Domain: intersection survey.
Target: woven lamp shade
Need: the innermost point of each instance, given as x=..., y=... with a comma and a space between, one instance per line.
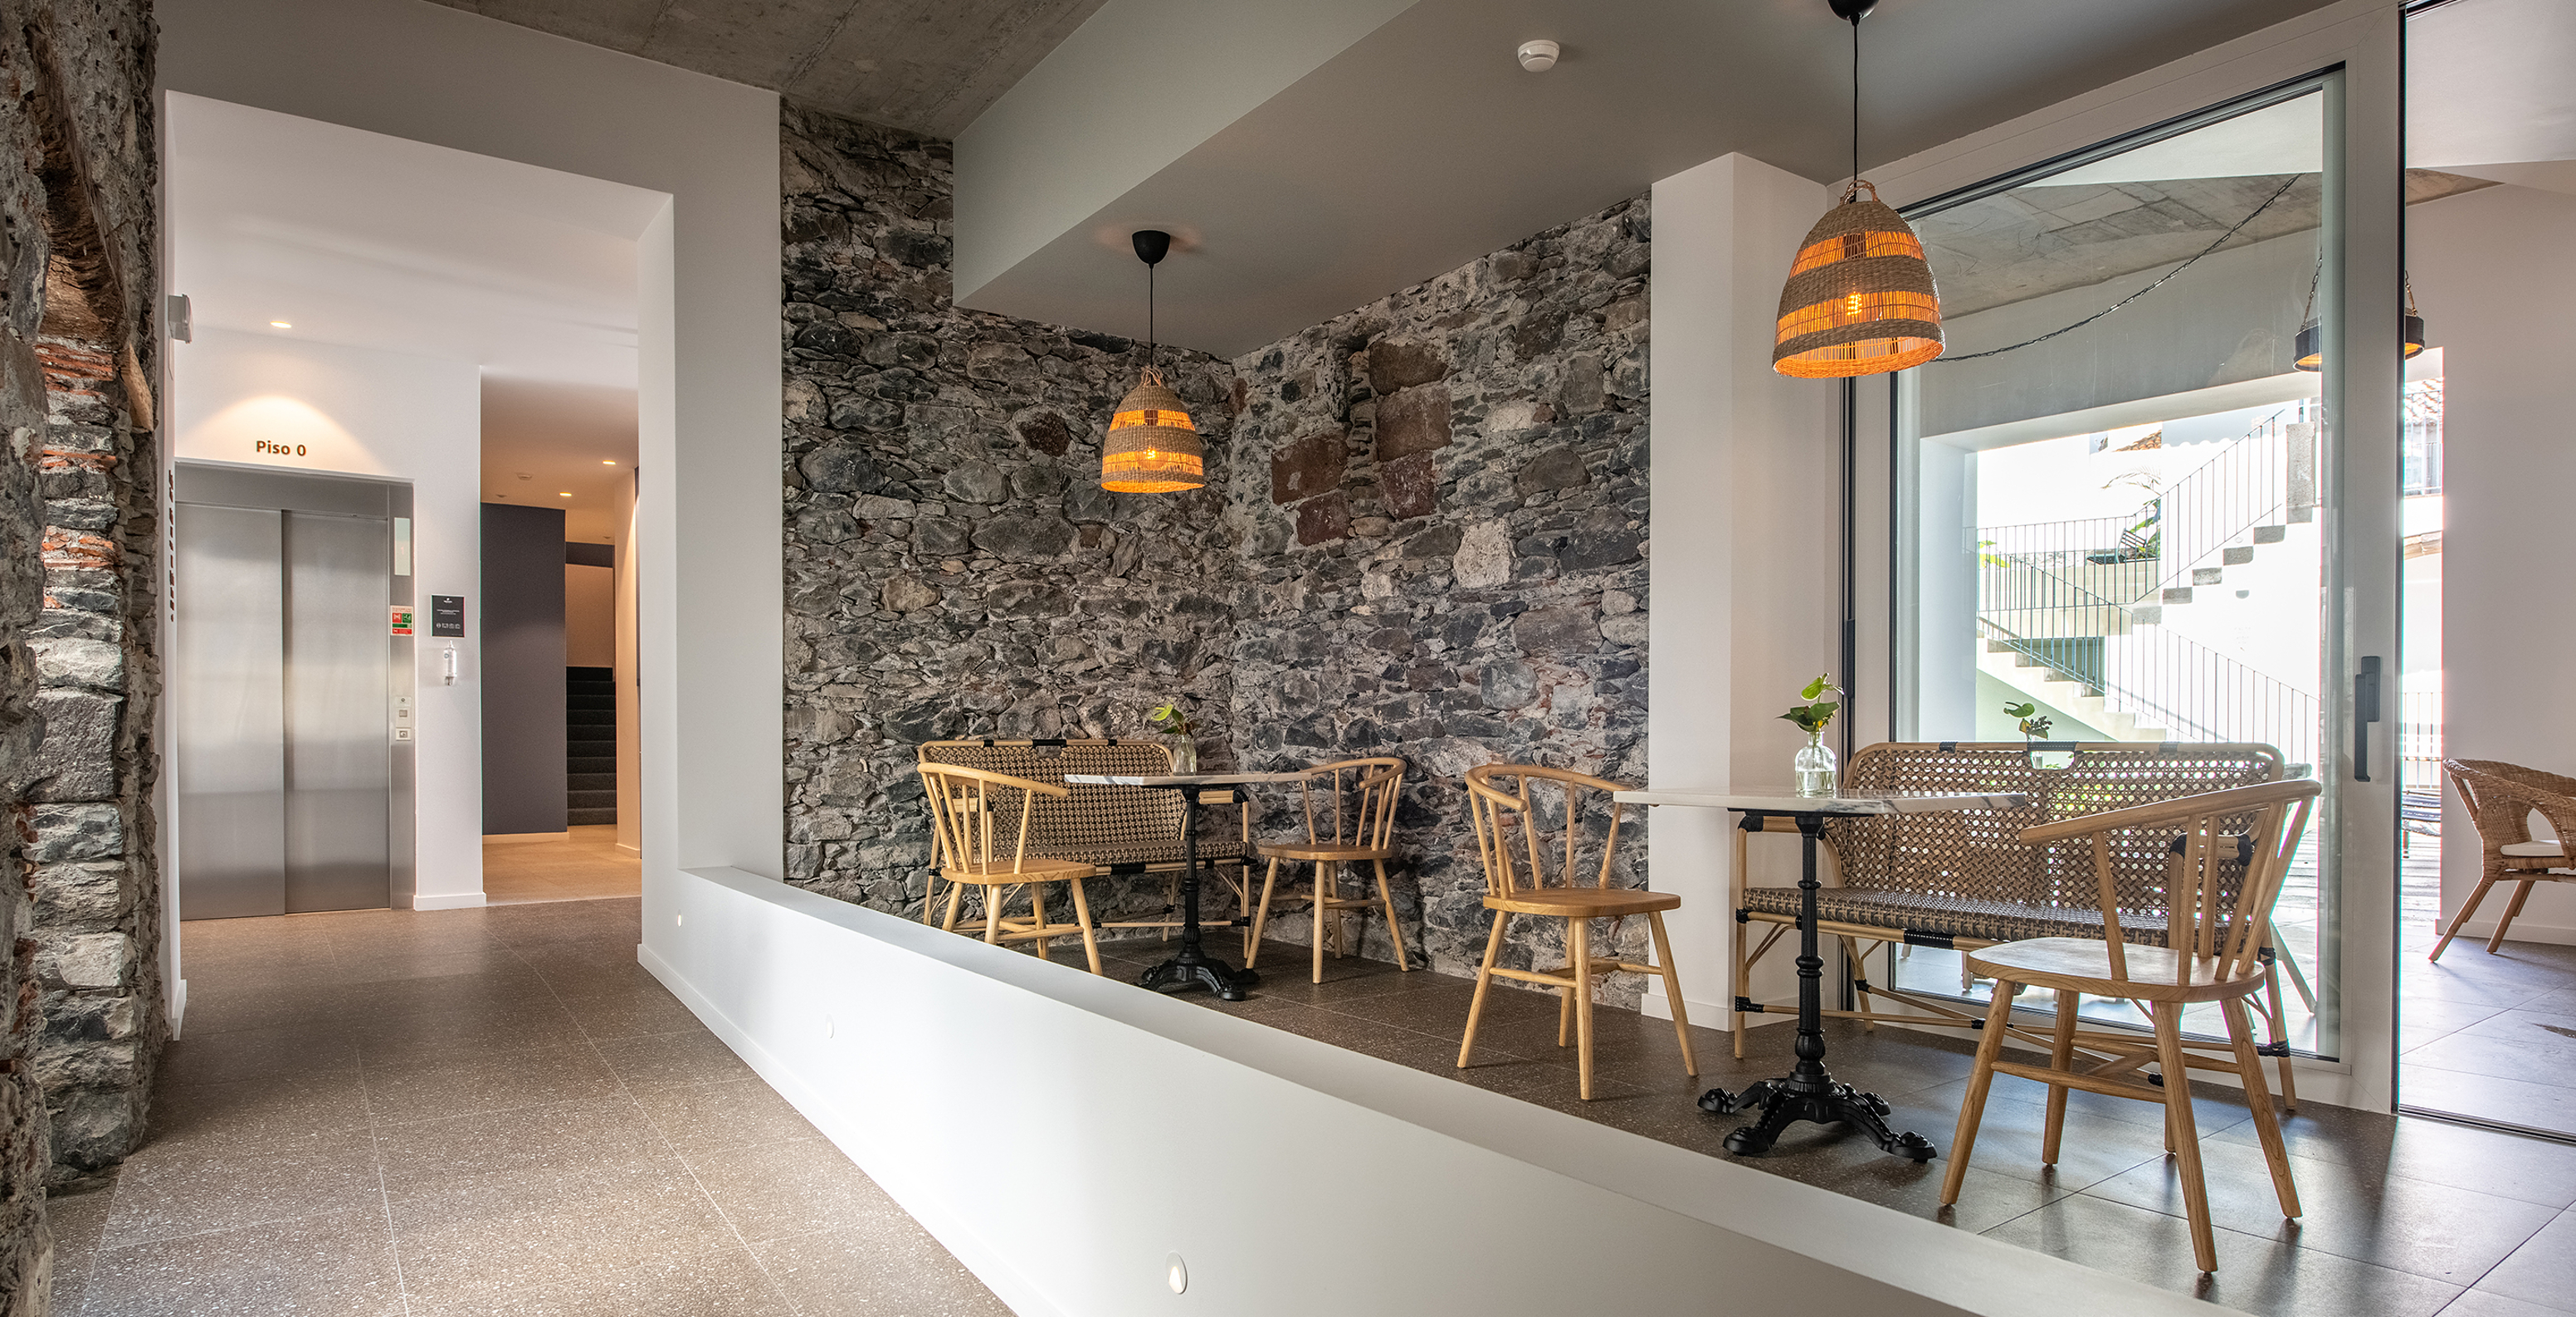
x=1152, y=447
x=1859, y=300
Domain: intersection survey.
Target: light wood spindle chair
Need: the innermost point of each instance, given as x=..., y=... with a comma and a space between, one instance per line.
x=1500, y=803
x=972, y=833
x=2213, y=937
x=1361, y=796
x=2501, y=798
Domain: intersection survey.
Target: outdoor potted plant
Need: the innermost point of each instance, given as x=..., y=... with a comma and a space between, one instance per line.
x=2036, y=747
x=1814, y=767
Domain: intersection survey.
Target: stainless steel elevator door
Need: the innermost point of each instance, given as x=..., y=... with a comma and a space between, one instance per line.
x=338, y=774
x=283, y=671
x=231, y=712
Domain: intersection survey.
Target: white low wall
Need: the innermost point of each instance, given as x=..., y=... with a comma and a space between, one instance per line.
x=1053, y=1130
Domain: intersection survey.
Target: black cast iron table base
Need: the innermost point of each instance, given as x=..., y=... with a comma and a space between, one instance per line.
x=1194, y=967
x=1784, y=1101
x=1808, y=1092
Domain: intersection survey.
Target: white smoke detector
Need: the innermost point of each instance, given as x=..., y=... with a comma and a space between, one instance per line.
x=1538, y=56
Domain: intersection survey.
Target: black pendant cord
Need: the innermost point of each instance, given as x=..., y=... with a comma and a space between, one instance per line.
x=1854, y=194
x=2283, y=191
x=1149, y=317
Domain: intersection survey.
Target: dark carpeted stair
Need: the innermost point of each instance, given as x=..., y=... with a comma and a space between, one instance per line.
x=590, y=745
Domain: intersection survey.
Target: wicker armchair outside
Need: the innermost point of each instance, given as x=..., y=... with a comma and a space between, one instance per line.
x=2501, y=798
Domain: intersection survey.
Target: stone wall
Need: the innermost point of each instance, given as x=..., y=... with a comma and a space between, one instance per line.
x=79, y=1018
x=1442, y=505
x=953, y=567
x=96, y=878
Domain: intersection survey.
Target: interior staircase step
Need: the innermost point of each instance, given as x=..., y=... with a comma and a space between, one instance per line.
x=2208, y=575
x=585, y=817
x=578, y=764
x=2236, y=557
x=591, y=799
x=2271, y=534
x=578, y=782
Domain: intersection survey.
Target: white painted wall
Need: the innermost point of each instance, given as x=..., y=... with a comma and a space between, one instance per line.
x=2489, y=268
x=370, y=413
x=1439, y=1188
x=1745, y=569
x=709, y=385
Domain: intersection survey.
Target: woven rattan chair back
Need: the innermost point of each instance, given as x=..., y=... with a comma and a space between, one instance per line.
x=1514, y=806
x=2224, y=853
x=1084, y=820
x=1352, y=802
x=2502, y=797
x=1980, y=855
x=981, y=817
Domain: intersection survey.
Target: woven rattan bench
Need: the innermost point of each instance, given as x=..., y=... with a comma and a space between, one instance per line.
x=1121, y=831
x=1965, y=880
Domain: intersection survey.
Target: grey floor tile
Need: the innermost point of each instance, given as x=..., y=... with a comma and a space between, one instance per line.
x=893, y=1270
x=2511, y=1042
x=78, y=1220
x=2254, y=1274
x=490, y=1236
x=333, y=1266
x=251, y=1111
x=2486, y=1303
x=443, y=1087
x=727, y=1282
x=730, y=1113
x=183, y=1189
x=2012, y=1133
x=2488, y=1095
x=2542, y=1271
x=466, y=1028
x=2429, y=1229
x=300, y=1051
x=2465, y=1157
x=672, y=1058
x=631, y=1012
x=773, y=1190
x=589, y=1135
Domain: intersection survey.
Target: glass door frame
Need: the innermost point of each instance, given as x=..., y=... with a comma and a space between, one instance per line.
x=2359, y=58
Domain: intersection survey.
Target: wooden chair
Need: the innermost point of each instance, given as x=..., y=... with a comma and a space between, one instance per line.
x=1499, y=802
x=970, y=832
x=2501, y=798
x=1362, y=795
x=2210, y=953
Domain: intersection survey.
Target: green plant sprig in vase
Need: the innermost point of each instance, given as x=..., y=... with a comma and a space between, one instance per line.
x=1176, y=723
x=1814, y=769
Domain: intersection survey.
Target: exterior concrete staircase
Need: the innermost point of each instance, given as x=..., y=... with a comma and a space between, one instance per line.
x=2078, y=698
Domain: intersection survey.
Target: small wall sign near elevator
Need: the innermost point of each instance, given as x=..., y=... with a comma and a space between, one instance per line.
x=447, y=615
x=401, y=617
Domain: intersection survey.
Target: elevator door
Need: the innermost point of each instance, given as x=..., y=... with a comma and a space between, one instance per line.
x=283, y=664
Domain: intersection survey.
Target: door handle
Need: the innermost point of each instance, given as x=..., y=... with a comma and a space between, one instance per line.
x=2365, y=711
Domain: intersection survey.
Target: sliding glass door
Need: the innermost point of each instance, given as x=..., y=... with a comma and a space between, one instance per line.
x=2120, y=501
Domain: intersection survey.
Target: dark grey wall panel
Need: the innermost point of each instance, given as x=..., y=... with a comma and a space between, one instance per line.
x=523, y=669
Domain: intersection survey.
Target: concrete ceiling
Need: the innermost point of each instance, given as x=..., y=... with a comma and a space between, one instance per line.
x=367, y=241
x=1421, y=144
x=929, y=66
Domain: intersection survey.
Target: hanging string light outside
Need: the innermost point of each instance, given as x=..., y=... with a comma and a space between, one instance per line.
x=1860, y=298
x=1152, y=448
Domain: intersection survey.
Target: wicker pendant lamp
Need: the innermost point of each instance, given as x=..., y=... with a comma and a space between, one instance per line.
x=1860, y=299
x=1152, y=446
x=2311, y=343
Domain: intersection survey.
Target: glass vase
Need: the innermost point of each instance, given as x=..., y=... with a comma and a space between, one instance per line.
x=1185, y=755
x=1813, y=769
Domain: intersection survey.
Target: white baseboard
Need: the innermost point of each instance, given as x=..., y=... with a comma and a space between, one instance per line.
x=178, y=1007
x=449, y=901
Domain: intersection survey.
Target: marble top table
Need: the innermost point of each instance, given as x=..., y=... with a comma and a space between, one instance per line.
x=1808, y=1092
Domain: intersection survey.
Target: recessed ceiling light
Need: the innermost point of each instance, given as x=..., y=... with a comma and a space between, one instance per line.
x=608, y=461
x=563, y=493
x=280, y=324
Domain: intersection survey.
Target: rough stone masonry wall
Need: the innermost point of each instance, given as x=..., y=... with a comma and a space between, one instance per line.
x=95, y=878
x=953, y=566
x=1443, y=502
x=79, y=1017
